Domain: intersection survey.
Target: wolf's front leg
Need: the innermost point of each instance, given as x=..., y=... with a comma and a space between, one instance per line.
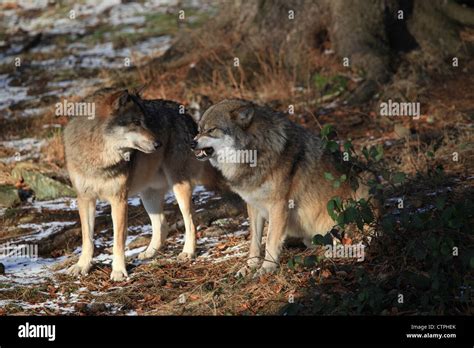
x=256, y=230
x=277, y=222
x=119, y=219
x=86, y=208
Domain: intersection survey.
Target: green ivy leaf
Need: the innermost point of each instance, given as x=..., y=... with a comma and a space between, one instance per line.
x=365, y=152
x=338, y=202
x=318, y=240
x=348, y=146
x=399, y=177
x=291, y=264
x=350, y=215
x=328, y=176
x=367, y=214
x=327, y=130
x=332, y=146
x=298, y=259
x=379, y=153
x=310, y=261
x=341, y=219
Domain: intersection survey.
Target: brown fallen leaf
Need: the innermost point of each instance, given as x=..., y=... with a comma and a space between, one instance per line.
x=325, y=273
x=222, y=246
x=346, y=241
x=194, y=297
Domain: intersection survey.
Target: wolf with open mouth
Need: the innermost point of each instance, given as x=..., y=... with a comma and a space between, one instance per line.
x=287, y=187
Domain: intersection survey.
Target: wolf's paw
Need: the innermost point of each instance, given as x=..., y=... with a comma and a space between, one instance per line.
x=265, y=269
x=79, y=269
x=252, y=264
x=243, y=272
x=118, y=275
x=147, y=254
x=185, y=256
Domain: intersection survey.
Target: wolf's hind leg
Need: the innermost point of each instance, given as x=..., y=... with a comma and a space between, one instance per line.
x=153, y=202
x=183, y=192
x=86, y=208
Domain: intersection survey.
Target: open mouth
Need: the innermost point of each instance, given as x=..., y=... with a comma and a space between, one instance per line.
x=203, y=154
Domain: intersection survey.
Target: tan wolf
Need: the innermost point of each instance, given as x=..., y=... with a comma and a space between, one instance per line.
x=132, y=146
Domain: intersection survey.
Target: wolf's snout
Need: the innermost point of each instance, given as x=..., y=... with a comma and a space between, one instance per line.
x=157, y=144
x=193, y=144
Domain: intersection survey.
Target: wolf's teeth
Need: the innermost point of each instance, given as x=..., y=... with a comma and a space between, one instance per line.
x=204, y=152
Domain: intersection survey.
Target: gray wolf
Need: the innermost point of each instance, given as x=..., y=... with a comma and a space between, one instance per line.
x=286, y=187
x=132, y=146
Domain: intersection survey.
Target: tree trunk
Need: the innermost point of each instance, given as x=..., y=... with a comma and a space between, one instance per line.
x=376, y=36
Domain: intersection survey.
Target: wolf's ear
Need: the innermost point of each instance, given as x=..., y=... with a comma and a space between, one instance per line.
x=138, y=91
x=119, y=99
x=243, y=116
x=196, y=115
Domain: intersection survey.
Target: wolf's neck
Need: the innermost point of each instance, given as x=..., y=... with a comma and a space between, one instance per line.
x=264, y=156
x=100, y=154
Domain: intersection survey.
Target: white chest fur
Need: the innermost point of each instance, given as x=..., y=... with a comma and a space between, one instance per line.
x=258, y=198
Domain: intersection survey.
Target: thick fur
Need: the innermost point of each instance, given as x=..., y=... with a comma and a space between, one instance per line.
x=132, y=146
x=287, y=186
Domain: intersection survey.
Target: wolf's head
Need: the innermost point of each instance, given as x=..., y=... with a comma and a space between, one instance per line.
x=223, y=128
x=126, y=122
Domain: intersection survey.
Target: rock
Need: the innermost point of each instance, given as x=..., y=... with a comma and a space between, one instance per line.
x=223, y=222
x=55, y=244
x=401, y=131
x=8, y=196
x=139, y=242
x=26, y=219
x=43, y=186
x=96, y=307
x=213, y=231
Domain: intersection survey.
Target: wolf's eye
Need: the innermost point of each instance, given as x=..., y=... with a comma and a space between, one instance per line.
x=213, y=131
x=136, y=122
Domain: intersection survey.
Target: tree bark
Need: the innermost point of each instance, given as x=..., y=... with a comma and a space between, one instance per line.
x=367, y=32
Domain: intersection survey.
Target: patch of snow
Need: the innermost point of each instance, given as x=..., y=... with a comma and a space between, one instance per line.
x=10, y=94
x=28, y=270
x=25, y=144
x=43, y=230
x=25, y=148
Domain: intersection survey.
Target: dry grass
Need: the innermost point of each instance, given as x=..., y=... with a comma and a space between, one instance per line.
x=53, y=151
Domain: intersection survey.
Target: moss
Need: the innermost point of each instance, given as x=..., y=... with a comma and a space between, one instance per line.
x=8, y=196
